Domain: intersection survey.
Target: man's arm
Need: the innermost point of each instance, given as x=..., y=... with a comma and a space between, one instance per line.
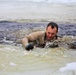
x=25, y=41
x=27, y=45
x=31, y=37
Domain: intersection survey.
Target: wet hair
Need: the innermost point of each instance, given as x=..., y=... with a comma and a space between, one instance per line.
x=53, y=25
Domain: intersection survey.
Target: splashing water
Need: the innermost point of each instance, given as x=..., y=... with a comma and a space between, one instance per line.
x=39, y=61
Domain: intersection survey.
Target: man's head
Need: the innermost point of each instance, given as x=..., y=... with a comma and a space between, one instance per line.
x=51, y=30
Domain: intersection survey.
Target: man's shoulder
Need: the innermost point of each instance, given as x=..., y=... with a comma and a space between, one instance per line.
x=36, y=34
x=39, y=32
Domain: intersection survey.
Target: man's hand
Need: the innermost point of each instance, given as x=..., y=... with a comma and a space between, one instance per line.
x=29, y=46
x=54, y=45
x=51, y=45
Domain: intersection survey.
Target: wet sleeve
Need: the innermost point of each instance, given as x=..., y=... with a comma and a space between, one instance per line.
x=32, y=37
x=24, y=41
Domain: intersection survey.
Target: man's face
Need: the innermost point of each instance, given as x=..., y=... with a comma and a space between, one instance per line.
x=51, y=33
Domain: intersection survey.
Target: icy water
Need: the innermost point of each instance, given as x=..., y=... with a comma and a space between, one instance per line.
x=15, y=60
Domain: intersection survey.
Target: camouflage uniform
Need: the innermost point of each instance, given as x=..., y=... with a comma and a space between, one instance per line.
x=38, y=38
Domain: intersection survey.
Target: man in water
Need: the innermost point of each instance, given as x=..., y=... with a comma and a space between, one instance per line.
x=40, y=38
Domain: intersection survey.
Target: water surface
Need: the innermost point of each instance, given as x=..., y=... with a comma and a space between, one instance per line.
x=15, y=60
